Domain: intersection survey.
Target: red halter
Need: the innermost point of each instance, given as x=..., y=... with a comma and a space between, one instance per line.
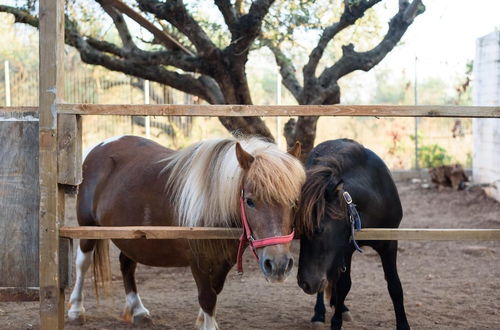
x=246, y=238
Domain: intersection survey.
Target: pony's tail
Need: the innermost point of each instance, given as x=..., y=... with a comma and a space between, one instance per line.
x=102, y=268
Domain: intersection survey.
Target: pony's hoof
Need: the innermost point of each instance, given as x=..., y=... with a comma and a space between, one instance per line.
x=142, y=320
x=347, y=317
x=76, y=319
x=317, y=325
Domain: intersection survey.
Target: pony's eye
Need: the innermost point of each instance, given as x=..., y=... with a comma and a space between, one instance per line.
x=250, y=203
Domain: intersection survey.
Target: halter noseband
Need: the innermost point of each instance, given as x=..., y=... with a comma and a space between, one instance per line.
x=246, y=238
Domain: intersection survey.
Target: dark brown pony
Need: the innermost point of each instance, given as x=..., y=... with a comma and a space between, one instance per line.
x=326, y=248
x=130, y=181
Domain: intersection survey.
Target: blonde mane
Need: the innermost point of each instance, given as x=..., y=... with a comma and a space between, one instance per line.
x=204, y=180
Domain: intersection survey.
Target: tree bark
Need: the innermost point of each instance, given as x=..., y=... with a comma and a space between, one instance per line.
x=304, y=129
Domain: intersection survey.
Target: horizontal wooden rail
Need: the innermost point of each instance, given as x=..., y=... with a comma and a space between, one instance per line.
x=418, y=234
x=158, y=232
x=280, y=110
x=271, y=110
x=149, y=232
x=18, y=109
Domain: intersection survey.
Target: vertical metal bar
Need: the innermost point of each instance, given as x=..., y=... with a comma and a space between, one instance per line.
x=278, y=102
x=51, y=89
x=415, y=92
x=7, y=84
x=147, y=122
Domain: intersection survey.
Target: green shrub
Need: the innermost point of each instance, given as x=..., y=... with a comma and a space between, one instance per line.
x=433, y=155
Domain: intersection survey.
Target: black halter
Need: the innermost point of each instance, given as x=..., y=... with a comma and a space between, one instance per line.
x=353, y=218
x=352, y=213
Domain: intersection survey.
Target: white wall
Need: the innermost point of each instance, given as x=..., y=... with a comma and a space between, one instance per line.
x=486, y=132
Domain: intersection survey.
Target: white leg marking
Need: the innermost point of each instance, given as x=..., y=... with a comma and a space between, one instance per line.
x=199, y=320
x=209, y=322
x=76, y=310
x=206, y=322
x=134, y=306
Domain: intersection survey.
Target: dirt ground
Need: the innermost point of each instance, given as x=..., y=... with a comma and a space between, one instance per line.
x=447, y=285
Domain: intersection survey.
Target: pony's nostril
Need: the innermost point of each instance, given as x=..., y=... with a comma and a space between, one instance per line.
x=268, y=266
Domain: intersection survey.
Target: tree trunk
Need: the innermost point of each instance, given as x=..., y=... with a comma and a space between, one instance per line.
x=235, y=89
x=304, y=129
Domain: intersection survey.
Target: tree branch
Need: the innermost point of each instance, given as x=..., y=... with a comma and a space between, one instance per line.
x=92, y=51
x=20, y=15
x=120, y=24
x=183, y=82
x=175, y=58
x=162, y=36
x=249, y=27
x=229, y=14
x=105, y=46
x=352, y=12
x=287, y=70
x=352, y=60
x=176, y=13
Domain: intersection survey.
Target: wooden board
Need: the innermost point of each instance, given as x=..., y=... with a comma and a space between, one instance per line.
x=159, y=232
x=19, y=294
x=271, y=110
x=69, y=149
x=51, y=87
x=19, y=109
x=279, y=110
x=18, y=202
x=414, y=234
x=149, y=232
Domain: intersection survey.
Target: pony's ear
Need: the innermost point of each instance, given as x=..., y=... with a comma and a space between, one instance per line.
x=244, y=158
x=332, y=189
x=295, y=150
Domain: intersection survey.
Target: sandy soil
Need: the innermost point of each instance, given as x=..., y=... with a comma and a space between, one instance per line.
x=448, y=285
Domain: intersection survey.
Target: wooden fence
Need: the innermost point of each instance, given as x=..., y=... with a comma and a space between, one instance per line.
x=60, y=162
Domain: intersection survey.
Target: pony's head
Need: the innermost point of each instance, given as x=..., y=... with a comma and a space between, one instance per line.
x=206, y=181
x=322, y=218
x=324, y=232
x=271, y=181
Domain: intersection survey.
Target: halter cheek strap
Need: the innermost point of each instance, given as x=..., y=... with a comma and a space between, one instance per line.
x=246, y=238
x=354, y=219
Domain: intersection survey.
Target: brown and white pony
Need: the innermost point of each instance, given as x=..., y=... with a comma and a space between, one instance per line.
x=131, y=181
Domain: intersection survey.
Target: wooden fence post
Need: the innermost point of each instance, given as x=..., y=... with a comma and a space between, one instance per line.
x=51, y=15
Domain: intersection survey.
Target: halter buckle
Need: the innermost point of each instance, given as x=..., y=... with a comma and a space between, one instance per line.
x=347, y=197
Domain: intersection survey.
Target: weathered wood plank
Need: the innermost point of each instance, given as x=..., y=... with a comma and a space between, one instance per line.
x=279, y=110
x=19, y=109
x=69, y=149
x=149, y=232
x=18, y=203
x=51, y=86
x=158, y=232
x=19, y=294
x=272, y=110
x=413, y=234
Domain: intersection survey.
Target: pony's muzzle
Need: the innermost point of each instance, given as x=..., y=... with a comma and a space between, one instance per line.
x=312, y=287
x=276, y=267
